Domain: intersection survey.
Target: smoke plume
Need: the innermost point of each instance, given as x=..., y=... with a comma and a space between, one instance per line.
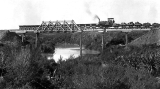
x=97, y=17
x=88, y=11
x=87, y=8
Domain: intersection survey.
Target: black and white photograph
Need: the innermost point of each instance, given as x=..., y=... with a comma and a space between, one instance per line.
x=79, y=44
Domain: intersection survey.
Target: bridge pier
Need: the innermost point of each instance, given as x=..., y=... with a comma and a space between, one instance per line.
x=36, y=41
x=23, y=36
x=81, y=44
x=126, y=37
x=103, y=34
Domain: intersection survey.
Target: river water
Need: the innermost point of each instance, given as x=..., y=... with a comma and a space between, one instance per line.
x=66, y=51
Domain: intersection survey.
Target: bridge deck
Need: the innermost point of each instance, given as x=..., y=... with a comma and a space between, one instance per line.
x=71, y=26
x=88, y=30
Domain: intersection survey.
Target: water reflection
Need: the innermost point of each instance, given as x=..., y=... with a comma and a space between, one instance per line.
x=66, y=52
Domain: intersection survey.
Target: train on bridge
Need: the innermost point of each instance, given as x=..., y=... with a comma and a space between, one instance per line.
x=70, y=25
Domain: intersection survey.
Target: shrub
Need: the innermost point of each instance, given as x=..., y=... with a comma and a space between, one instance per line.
x=25, y=66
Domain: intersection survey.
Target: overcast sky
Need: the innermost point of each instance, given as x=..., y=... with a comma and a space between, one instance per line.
x=24, y=12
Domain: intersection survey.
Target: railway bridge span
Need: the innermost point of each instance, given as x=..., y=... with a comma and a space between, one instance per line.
x=71, y=26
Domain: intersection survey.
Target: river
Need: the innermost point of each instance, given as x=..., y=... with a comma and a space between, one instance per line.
x=66, y=51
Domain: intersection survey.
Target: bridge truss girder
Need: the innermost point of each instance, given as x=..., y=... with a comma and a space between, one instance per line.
x=58, y=26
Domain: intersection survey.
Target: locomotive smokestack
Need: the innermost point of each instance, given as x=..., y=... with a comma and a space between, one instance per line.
x=96, y=16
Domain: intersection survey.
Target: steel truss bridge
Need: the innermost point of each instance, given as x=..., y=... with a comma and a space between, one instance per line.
x=71, y=26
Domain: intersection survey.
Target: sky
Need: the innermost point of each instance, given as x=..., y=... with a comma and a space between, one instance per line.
x=32, y=12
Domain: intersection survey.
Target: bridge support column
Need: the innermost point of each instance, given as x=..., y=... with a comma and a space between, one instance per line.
x=81, y=44
x=103, y=40
x=126, y=37
x=23, y=36
x=36, y=42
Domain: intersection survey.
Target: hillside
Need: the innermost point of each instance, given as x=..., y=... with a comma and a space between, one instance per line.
x=11, y=38
x=152, y=37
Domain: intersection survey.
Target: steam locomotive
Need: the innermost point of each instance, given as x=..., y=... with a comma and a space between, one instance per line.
x=106, y=24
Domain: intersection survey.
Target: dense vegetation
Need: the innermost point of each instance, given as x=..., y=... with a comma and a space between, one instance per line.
x=116, y=68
